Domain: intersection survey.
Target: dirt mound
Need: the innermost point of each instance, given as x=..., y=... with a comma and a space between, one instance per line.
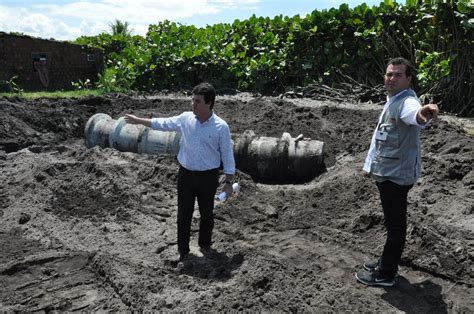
x=94, y=229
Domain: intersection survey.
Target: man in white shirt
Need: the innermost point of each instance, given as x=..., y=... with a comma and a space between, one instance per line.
x=205, y=142
x=394, y=162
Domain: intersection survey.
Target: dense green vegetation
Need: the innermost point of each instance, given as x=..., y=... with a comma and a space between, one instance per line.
x=271, y=55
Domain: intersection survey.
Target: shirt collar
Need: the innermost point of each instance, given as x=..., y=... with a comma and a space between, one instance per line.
x=396, y=95
x=211, y=118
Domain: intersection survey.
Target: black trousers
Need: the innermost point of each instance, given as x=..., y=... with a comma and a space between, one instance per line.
x=394, y=204
x=203, y=186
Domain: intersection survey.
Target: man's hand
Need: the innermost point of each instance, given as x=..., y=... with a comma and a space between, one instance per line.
x=130, y=118
x=426, y=113
x=228, y=189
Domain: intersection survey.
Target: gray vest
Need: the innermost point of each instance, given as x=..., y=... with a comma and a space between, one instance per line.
x=398, y=157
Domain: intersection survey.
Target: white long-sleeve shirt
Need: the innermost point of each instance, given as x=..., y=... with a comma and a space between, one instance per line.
x=202, y=145
x=408, y=116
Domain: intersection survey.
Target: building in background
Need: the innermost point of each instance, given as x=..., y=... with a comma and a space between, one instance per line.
x=45, y=65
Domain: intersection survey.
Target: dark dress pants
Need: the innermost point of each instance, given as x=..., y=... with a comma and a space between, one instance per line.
x=203, y=186
x=394, y=204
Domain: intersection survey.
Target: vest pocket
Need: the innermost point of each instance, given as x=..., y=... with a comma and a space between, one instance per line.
x=393, y=139
x=386, y=165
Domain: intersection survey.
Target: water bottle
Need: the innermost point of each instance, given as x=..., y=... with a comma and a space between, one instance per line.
x=223, y=195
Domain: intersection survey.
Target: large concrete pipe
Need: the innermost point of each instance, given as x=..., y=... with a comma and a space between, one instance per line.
x=284, y=159
x=101, y=130
x=266, y=159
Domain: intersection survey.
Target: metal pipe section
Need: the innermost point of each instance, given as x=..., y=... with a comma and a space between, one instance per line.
x=266, y=159
x=101, y=130
x=282, y=160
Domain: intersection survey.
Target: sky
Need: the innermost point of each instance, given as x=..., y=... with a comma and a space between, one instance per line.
x=69, y=19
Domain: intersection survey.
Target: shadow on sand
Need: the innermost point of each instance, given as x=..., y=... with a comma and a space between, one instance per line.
x=422, y=297
x=214, y=265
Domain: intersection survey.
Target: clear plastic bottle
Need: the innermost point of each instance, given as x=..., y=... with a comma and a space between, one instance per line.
x=223, y=195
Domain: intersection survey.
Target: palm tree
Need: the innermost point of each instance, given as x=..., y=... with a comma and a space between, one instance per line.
x=120, y=27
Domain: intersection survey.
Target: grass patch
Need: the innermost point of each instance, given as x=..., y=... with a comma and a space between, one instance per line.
x=56, y=94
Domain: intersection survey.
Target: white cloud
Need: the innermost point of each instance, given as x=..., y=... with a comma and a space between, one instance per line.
x=226, y=4
x=74, y=19
x=35, y=24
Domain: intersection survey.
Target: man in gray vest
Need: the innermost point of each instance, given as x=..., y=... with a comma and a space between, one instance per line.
x=394, y=162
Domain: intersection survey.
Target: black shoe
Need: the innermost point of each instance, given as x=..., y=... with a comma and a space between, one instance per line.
x=183, y=255
x=375, y=278
x=373, y=266
x=206, y=250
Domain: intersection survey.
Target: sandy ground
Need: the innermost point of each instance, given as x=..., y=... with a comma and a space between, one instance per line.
x=94, y=229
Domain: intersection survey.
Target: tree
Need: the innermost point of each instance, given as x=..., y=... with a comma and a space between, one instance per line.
x=120, y=27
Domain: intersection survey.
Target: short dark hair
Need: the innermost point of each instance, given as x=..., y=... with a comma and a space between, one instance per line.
x=207, y=90
x=410, y=69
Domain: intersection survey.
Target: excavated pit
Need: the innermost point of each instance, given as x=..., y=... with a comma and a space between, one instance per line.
x=94, y=229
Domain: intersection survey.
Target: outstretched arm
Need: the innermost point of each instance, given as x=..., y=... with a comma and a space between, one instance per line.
x=130, y=118
x=427, y=113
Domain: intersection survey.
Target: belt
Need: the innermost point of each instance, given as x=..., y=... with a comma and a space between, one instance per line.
x=181, y=168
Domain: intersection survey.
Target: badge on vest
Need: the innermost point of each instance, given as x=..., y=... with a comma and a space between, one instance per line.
x=381, y=135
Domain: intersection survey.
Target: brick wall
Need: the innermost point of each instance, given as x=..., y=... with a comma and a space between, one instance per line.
x=46, y=65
